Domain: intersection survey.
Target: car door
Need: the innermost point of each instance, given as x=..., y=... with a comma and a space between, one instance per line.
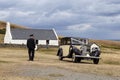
x=65, y=45
x=65, y=49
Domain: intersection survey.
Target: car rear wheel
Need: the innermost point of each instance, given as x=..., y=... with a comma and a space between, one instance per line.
x=60, y=56
x=95, y=61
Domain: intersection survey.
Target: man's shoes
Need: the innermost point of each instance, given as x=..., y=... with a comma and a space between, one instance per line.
x=30, y=60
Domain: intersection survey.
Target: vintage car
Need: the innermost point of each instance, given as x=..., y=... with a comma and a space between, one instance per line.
x=78, y=49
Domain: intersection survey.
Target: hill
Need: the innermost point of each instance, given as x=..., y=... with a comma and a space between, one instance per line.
x=107, y=43
x=3, y=25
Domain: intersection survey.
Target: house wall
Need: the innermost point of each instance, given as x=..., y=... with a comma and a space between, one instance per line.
x=40, y=42
x=51, y=42
x=8, y=38
x=54, y=42
x=22, y=42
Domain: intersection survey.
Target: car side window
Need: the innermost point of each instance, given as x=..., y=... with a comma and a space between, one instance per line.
x=65, y=42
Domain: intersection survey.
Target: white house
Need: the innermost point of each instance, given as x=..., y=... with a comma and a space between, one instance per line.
x=20, y=36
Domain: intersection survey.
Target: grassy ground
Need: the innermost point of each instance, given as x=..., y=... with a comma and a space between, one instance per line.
x=11, y=60
x=1, y=38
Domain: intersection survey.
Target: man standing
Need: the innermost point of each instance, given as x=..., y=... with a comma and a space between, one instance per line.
x=31, y=47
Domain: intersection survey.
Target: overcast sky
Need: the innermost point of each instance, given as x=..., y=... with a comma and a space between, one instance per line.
x=96, y=19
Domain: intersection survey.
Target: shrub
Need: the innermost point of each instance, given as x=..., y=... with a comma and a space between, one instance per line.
x=2, y=31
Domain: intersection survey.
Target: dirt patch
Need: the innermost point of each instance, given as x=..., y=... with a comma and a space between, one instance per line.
x=38, y=72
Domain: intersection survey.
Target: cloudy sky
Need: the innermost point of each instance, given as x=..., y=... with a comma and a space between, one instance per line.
x=96, y=19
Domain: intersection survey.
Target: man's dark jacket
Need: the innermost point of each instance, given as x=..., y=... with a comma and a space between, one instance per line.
x=31, y=43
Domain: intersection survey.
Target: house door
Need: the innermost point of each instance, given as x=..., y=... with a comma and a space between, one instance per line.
x=36, y=41
x=47, y=42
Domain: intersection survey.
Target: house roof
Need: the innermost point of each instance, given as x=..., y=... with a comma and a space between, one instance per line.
x=40, y=34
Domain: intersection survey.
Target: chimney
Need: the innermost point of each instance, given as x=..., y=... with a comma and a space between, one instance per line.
x=8, y=36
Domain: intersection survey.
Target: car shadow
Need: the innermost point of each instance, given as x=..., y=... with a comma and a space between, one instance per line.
x=82, y=62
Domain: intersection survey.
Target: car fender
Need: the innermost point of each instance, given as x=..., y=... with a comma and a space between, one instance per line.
x=59, y=50
x=76, y=51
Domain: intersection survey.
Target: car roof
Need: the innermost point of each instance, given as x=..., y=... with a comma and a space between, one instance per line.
x=74, y=38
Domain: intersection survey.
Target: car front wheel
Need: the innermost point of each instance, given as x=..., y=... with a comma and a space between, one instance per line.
x=95, y=61
x=60, y=55
x=74, y=58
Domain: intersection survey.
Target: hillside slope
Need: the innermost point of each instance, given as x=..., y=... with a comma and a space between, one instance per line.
x=107, y=43
x=3, y=25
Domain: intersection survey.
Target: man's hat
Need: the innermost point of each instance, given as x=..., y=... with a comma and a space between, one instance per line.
x=31, y=34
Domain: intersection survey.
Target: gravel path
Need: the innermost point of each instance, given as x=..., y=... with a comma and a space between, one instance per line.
x=54, y=73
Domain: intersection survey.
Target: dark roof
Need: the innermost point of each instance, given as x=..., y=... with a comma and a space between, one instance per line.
x=40, y=34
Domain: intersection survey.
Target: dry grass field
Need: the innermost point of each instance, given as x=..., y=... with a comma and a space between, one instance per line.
x=1, y=38
x=13, y=62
